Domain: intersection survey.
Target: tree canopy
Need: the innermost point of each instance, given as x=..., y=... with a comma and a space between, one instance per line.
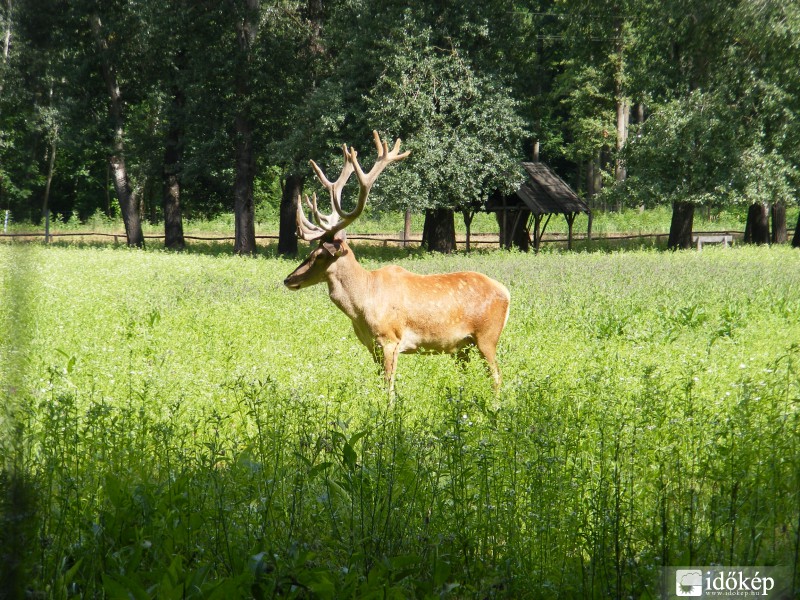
x=632, y=102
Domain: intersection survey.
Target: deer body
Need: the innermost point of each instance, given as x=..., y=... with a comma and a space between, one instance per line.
x=394, y=311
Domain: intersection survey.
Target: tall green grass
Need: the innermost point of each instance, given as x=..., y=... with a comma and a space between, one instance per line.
x=186, y=427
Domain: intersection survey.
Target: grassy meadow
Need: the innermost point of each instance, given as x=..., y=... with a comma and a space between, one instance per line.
x=182, y=426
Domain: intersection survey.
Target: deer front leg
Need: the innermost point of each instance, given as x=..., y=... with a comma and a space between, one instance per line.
x=385, y=353
x=391, y=352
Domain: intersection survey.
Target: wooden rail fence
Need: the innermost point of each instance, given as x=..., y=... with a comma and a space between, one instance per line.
x=475, y=239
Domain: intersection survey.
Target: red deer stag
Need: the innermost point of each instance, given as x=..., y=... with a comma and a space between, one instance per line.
x=393, y=310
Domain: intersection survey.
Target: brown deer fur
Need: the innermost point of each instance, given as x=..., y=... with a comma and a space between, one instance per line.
x=395, y=311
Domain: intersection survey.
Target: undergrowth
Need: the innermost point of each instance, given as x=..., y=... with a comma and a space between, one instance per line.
x=182, y=426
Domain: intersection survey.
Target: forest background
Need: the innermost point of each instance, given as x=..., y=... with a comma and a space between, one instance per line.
x=162, y=111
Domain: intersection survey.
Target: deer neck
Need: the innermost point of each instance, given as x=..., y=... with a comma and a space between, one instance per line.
x=348, y=285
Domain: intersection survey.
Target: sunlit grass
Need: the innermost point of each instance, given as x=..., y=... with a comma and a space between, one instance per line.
x=189, y=424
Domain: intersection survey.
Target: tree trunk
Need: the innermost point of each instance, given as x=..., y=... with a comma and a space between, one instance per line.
x=315, y=18
x=243, y=203
x=468, y=216
x=622, y=102
x=796, y=237
x=406, y=227
x=515, y=232
x=680, y=230
x=122, y=185
x=513, y=223
x=287, y=233
x=107, y=189
x=6, y=40
x=779, y=235
x=149, y=202
x=439, y=232
x=623, y=113
x=589, y=225
x=51, y=164
x=756, y=230
x=590, y=182
x=173, y=219
x=127, y=201
x=594, y=178
x=171, y=195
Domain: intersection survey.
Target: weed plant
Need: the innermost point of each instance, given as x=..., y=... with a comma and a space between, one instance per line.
x=182, y=426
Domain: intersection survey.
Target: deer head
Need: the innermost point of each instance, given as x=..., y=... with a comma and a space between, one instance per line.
x=329, y=229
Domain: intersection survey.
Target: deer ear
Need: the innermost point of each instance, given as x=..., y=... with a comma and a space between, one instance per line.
x=335, y=248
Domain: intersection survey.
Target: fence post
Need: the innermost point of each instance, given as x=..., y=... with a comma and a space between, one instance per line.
x=5, y=225
x=47, y=226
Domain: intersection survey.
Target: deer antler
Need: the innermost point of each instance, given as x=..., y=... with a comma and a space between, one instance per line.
x=328, y=225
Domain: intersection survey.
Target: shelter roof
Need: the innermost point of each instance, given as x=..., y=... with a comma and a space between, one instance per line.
x=546, y=193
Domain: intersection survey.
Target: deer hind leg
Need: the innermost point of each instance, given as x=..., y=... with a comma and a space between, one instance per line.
x=489, y=352
x=486, y=341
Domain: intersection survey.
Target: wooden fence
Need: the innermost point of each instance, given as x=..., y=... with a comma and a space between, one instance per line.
x=476, y=239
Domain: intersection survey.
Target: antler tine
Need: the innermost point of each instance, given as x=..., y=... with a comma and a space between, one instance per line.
x=325, y=221
x=335, y=188
x=331, y=223
x=305, y=228
x=365, y=180
x=339, y=218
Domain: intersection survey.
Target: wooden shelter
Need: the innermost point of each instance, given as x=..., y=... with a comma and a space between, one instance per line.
x=529, y=209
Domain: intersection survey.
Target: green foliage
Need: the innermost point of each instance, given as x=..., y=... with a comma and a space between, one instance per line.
x=590, y=110
x=157, y=52
x=468, y=86
x=724, y=124
x=766, y=177
x=267, y=192
x=461, y=127
x=400, y=73
x=693, y=150
x=193, y=429
x=684, y=153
